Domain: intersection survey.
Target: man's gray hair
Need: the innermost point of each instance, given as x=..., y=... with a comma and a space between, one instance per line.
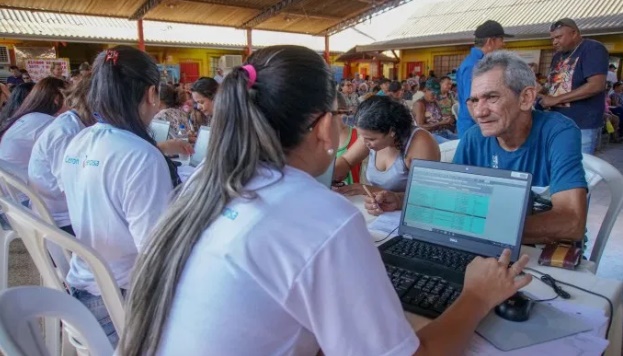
x=517, y=73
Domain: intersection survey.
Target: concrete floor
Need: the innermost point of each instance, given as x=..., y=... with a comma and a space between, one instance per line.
x=22, y=270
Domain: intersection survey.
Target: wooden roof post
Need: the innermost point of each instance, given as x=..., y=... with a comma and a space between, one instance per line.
x=249, y=48
x=141, y=38
x=326, y=49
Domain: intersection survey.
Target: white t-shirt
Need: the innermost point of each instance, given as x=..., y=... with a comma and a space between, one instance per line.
x=17, y=142
x=611, y=77
x=44, y=169
x=288, y=273
x=117, y=185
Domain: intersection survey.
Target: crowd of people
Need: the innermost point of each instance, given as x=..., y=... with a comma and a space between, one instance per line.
x=248, y=247
x=429, y=99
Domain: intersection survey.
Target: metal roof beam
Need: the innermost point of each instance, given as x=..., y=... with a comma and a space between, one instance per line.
x=292, y=12
x=375, y=10
x=314, y=16
x=269, y=12
x=223, y=3
x=147, y=6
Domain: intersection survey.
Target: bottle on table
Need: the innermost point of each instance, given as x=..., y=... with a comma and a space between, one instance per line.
x=182, y=134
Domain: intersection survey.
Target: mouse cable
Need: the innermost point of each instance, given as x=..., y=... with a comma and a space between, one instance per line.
x=545, y=276
x=388, y=235
x=543, y=300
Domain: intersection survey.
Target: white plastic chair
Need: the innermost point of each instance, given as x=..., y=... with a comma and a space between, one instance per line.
x=14, y=184
x=455, y=110
x=36, y=233
x=20, y=334
x=6, y=236
x=447, y=150
x=598, y=170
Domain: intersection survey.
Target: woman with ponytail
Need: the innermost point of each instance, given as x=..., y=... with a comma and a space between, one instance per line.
x=255, y=257
x=116, y=180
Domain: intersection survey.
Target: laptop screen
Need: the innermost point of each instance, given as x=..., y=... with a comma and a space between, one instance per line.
x=201, y=146
x=159, y=130
x=480, y=210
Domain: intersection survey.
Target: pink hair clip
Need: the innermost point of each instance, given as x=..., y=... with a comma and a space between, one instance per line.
x=112, y=55
x=252, y=74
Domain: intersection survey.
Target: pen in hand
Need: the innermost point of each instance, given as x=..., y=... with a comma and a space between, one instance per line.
x=365, y=187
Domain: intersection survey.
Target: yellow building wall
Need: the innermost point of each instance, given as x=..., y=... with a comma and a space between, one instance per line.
x=171, y=55
x=614, y=44
x=165, y=55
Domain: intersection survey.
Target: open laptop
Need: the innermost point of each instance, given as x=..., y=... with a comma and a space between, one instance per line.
x=451, y=214
x=159, y=130
x=201, y=146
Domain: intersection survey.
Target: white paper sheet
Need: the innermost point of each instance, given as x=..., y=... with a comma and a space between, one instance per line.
x=584, y=344
x=386, y=223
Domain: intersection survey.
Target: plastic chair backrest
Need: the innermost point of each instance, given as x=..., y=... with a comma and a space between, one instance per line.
x=15, y=182
x=455, y=110
x=15, y=186
x=594, y=166
x=20, y=334
x=447, y=150
x=35, y=233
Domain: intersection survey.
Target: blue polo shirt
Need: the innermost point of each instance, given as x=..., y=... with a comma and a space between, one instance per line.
x=552, y=152
x=464, y=85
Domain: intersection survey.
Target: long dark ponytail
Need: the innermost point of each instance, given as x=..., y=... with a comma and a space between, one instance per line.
x=121, y=76
x=255, y=124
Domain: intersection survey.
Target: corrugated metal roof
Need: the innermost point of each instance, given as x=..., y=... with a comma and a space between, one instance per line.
x=321, y=17
x=26, y=24
x=453, y=22
x=32, y=24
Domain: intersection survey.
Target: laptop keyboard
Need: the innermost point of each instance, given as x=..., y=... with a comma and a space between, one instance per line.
x=414, y=249
x=422, y=294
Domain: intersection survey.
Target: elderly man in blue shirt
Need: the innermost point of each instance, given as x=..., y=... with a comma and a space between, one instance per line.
x=489, y=37
x=511, y=135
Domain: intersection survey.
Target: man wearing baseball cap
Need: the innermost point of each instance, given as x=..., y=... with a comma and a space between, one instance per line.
x=577, y=81
x=489, y=37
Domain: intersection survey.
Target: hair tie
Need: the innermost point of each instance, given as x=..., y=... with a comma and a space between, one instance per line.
x=112, y=55
x=252, y=74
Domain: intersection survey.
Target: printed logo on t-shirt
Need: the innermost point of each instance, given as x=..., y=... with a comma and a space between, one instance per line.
x=561, y=77
x=230, y=214
x=495, y=162
x=72, y=160
x=90, y=162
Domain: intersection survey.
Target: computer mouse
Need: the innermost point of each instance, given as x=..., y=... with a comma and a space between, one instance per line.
x=515, y=308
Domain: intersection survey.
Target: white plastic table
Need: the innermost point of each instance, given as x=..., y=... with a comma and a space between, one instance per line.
x=581, y=277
